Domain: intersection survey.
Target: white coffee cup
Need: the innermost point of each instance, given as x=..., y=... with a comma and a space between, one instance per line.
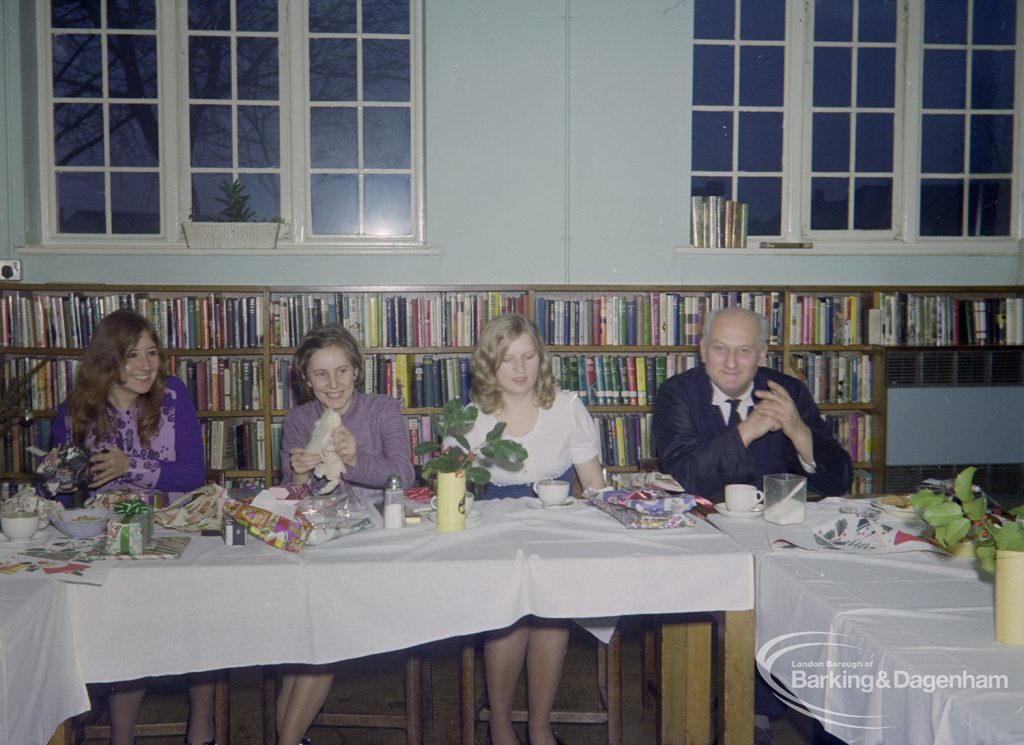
x=551, y=492
x=742, y=497
x=468, y=504
x=20, y=526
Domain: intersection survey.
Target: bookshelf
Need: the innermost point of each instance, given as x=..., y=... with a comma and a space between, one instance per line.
x=615, y=345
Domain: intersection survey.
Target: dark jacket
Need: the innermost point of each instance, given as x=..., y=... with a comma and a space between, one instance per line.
x=703, y=454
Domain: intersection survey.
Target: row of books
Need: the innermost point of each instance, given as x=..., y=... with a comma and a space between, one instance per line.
x=843, y=377
x=221, y=383
x=625, y=438
x=839, y=319
x=718, y=222
x=50, y=382
x=912, y=319
x=439, y=319
x=645, y=319
x=853, y=431
x=238, y=444
x=863, y=482
x=17, y=458
x=67, y=321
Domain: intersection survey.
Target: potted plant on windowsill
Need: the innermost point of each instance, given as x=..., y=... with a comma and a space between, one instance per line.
x=238, y=227
x=997, y=539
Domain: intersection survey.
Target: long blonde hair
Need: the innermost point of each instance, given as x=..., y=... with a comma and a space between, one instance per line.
x=494, y=341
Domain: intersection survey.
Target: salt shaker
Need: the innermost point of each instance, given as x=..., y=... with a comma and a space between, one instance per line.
x=394, y=502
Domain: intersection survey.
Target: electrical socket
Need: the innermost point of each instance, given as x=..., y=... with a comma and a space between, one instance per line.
x=10, y=270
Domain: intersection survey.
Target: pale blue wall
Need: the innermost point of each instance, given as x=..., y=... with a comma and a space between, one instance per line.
x=554, y=153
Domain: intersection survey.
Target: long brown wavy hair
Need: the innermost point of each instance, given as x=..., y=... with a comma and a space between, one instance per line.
x=494, y=341
x=102, y=366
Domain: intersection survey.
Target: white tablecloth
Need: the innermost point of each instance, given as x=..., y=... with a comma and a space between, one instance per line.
x=902, y=615
x=383, y=590
x=40, y=681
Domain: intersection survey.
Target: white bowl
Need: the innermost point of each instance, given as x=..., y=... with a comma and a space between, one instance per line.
x=82, y=523
x=19, y=526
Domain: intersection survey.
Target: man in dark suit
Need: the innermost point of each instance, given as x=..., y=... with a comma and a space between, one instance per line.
x=706, y=441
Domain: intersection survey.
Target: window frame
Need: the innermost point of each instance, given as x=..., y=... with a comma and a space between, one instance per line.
x=174, y=168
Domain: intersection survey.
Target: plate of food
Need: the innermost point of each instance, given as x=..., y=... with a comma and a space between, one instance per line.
x=895, y=505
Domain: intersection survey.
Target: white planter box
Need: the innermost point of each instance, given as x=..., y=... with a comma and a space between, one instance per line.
x=231, y=234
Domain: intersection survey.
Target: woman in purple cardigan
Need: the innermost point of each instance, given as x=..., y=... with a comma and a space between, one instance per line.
x=373, y=443
x=140, y=427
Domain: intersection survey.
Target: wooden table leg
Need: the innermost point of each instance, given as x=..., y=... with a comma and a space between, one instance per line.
x=736, y=655
x=684, y=701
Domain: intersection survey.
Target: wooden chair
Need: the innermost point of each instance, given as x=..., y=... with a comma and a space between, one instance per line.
x=418, y=704
x=609, y=688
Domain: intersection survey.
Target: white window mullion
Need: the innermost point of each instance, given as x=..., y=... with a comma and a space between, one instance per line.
x=173, y=120
x=796, y=146
x=295, y=177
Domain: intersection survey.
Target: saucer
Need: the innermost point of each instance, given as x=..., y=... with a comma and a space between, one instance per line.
x=37, y=540
x=534, y=503
x=756, y=512
x=472, y=517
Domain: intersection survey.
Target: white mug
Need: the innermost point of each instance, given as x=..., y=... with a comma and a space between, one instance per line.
x=742, y=497
x=551, y=492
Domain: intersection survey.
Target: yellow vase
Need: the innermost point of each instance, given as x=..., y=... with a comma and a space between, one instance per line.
x=451, y=490
x=1010, y=597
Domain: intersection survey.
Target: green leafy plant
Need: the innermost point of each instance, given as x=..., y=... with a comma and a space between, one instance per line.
x=967, y=517
x=454, y=421
x=235, y=201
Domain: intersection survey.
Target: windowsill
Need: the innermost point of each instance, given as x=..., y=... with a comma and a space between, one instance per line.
x=1004, y=247
x=179, y=249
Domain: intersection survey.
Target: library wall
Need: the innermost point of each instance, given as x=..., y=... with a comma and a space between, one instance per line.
x=568, y=163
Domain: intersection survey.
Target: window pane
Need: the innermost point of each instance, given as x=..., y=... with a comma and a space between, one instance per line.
x=335, y=205
x=833, y=20
x=712, y=141
x=256, y=15
x=135, y=203
x=762, y=72
x=991, y=144
x=830, y=203
x=78, y=134
x=760, y=141
x=210, y=128
x=75, y=14
x=874, y=142
x=832, y=76
x=385, y=70
x=995, y=22
x=388, y=206
x=332, y=16
x=876, y=77
x=264, y=190
x=763, y=20
x=134, y=136
x=259, y=137
x=830, y=144
x=80, y=200
x=77, y=66
x=877, y=22
x=209, y=63
x=209, y=15
x=872, y=199
x=131, y=66
x=133, y=14
x=333, y=138
x=945, y=75
x=386, y=142
x=257, y=69
x=992, y=80
x=942, y=143
x=385, y=16
x=712, y=75
x=332, y=70
x=764, y=195
x=713, y=19
x=710, y=186
x=988, y=209
x=205, y=193
x=941, y=207
x=945, y=22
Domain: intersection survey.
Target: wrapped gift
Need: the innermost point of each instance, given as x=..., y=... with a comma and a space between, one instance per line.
x=131, y=530
x=275, y=530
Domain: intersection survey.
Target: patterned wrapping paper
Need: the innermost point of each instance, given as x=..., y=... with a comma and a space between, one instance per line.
x=644, y=508
x=274, y=530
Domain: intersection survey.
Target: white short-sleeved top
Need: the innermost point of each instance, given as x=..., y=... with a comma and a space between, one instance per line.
x=563, y=435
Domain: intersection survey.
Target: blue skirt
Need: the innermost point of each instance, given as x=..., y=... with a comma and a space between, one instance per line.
x=503, y=491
